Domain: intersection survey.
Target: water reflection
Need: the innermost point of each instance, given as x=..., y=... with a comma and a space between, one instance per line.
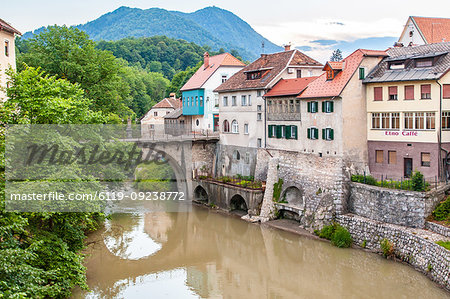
x=208, y=255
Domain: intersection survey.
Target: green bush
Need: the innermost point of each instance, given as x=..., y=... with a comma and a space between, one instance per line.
x=442, y=211
x=277, y=187
x=387, y=247
x=445, y=244
x=359, y=178
x=417, y=182
x=341, y=238
x=327, y=231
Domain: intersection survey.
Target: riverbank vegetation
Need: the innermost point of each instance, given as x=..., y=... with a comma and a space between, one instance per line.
x=337, y=234
x=237, y=180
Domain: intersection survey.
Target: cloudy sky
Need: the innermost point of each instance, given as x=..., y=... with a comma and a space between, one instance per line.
x=315, y=26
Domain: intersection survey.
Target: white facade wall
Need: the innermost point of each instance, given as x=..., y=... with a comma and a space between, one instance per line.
x=411, y=35
x=6, y=61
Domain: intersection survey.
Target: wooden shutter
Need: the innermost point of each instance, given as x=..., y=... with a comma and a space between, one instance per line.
x=278, y=131
x=316, y=133
x=409, y=92
x=426, y=88
x=331, y=106
x=446, y=91
x=295, y=132
x=309, y=106
x=270, y=131
x=324, y=103
x=392, y=90
x=378, y=93
x=331, y=134
x=287, y=132
x=323, y=133
x=316, y=106
x=309, y=133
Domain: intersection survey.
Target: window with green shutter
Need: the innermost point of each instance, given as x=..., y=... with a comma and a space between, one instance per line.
x=313, y=133
x=278, y=130
x=313, y=107
x=270, y=129
x=288, y=132
x=362, y=72
x=309, y=106
x=309, y=133
x=328, y=106
x=294, y=132
x=316, y=133
x=328, y=134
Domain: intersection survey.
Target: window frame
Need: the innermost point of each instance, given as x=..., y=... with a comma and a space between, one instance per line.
x=235, y=127
x=425, y=163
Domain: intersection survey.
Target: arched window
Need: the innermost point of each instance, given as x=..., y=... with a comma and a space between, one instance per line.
x=234, y=127
x=226, y=126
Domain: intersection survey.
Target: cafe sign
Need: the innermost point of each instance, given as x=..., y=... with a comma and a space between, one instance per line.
x=402, y=133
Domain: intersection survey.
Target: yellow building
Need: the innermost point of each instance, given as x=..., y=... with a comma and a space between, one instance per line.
x=407, y=95
x=7, y=53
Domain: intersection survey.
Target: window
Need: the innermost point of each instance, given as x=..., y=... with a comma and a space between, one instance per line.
x=291, y=106
x=243, y=101
x=187, y=102
x=362, y=73
x=197, y=122
x=387, y=120
x=167, y=112
x=313, y=107
x=201, y=101
x=292, y=132
x=409, y=92
x=446, y=91
x=328, y=106
x=393, y=93
x=234, y=127
x=259, y=142
x=425, y=159
x=269, y=106
x=327, y=134
x=397, y=65
x=378, y=156
x=245, y=128
x=425, y=91
x=249, y=100
x=226, y=126
x=259, y=93
x=313, y=133
x=297, y=106
x=299, y=73
x=236, y=155
x=155, y=113
x=259, y=108
x=420, y=120
x=446, y=120
x=233, y=101
x=272, y=130
x=378, y=93
x=184, y=101
x=152, y=126
x=254, y=75
x=424, y=62
x=6, y=48
x=259, y=116
x=225, y=101
x=216, y=100
x=224, y=78
x=392, y=157
x=196, y=101
x=330, y=74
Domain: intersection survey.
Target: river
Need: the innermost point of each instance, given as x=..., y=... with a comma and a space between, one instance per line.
x=205, y=254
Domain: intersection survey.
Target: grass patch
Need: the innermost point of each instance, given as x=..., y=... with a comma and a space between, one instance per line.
x=445, y=244
x=338, y=235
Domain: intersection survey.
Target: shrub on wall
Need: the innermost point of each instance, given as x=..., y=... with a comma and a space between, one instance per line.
x=277, y=187
x=387, y=247
x=339, y=235
x=442, y=211
x=417, y=181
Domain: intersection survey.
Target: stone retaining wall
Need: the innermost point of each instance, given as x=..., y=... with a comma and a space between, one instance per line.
x=437, y=228
x=423, y=254
x=400, y=207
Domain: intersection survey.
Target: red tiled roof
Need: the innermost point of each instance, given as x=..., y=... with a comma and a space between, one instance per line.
x=203, y=74
x=434, y=30
x=286, y=87
x=5, y=26
x=335, y=65
x=168, y=103
x=321, y=87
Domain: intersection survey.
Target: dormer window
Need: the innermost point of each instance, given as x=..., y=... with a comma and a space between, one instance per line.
x=424, y=62
x=398, y=65
x=254, y=75
x=330, y=74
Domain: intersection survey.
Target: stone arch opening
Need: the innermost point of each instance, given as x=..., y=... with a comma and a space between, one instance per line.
x=293, y=196
x=237, y=203
x=286, y=214
x=200, y=194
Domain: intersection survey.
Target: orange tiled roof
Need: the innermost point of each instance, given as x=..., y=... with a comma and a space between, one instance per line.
x=5, y=26
x=323, y=88
x=203, y=74
x=168, y=103
x=335, y=65
x=286, y=87
x=271, y=65
x=434, y=30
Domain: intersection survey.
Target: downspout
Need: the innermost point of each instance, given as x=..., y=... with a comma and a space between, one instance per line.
x=441, y=169
x=265, y=120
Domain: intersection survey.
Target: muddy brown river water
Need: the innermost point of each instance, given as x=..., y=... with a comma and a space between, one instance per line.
x=204, y=254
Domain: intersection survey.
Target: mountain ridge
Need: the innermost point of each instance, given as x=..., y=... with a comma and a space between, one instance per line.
x=210, y=26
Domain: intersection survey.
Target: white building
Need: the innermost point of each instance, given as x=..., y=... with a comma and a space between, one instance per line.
x=8, y=53
x=421, y=31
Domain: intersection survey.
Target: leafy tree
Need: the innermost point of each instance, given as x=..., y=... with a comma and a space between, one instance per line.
x=68, y=53
x=181, y=78
x=336, y=56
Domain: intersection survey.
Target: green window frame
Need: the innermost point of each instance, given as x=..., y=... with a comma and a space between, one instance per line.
x=313, y=107
x=362, y=73
x=328, y=134
x=328, y=106
x=313, y=133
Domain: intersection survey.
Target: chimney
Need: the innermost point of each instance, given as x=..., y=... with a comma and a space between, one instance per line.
x=206, y=59
x=173, y=95
x=287, y=47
